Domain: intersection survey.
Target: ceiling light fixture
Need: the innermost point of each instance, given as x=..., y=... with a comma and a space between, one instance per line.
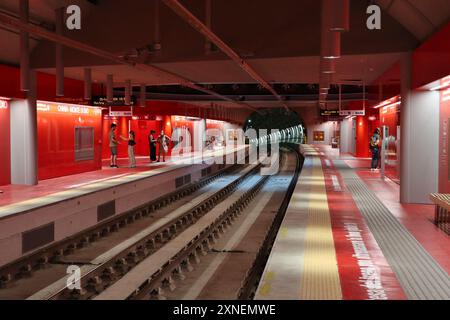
x=445, y=83
x=388, y=105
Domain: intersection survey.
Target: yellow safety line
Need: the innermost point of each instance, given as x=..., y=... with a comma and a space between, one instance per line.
x=320, y=278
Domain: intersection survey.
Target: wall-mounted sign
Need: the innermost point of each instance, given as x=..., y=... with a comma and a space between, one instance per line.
x=3, y=104
x=128, y=113
x=72, y=100
x=100, y=101
x=325, y=113
x=54, y=107
x=352, y=112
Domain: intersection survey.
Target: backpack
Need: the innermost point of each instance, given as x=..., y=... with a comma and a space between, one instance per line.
x=374, y=142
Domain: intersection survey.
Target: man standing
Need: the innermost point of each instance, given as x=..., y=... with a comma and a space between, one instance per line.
x=375, y=148
x=113, y=142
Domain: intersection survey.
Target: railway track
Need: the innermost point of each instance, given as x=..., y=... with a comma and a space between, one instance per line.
x=107, y=267
x=54, y=252
x=116, y=263
x=147, y=262
x=157, y=273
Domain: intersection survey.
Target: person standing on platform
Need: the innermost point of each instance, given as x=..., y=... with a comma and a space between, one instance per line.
x=163, y=141
x=375, y=148
x=131, y=144
x=113, y=143
x=152, y=142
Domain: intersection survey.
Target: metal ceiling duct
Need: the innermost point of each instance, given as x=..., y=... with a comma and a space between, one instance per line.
x=143, y=98
x=24, y=48
x=109, y=88
x=327, y=66
x=325, y=80
x=59, y=53
x=128, y=89
x=330, y=40
x=340, y=17
x=331, y=44
x=87, y=83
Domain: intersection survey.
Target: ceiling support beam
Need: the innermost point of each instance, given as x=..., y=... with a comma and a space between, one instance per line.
x=26, y=27
x=87, y=84
x=59, y=53
x=192, y=20
x=24, y=48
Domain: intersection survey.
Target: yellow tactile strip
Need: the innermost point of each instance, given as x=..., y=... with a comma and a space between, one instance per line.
x=320, y=278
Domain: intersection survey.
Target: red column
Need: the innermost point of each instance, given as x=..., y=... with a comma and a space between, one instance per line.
x=362, y=137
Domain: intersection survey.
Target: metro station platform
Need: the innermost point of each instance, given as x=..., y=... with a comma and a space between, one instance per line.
x=345, y=236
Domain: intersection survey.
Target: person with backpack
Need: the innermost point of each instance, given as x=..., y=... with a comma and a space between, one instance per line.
x=374, y=146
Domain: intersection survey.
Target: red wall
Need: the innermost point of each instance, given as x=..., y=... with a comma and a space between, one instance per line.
x=142, y=130
x=10, y=82
x=46, y=86
x=431, y=60
x=56, y=142
x=365, y=126
x=5, y=150
x=362, y=137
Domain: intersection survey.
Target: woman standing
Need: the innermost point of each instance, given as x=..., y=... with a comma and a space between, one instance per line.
x=131, y=144
x=152, y=142
x=163, y=141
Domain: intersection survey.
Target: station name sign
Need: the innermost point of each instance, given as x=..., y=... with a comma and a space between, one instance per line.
x=128, y=113
x=101, y=101
x=329, y=113
x=67, y=108
x=352, y=112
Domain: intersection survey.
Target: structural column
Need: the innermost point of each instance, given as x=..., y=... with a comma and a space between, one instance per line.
x=24, y=151
x=419, y=139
